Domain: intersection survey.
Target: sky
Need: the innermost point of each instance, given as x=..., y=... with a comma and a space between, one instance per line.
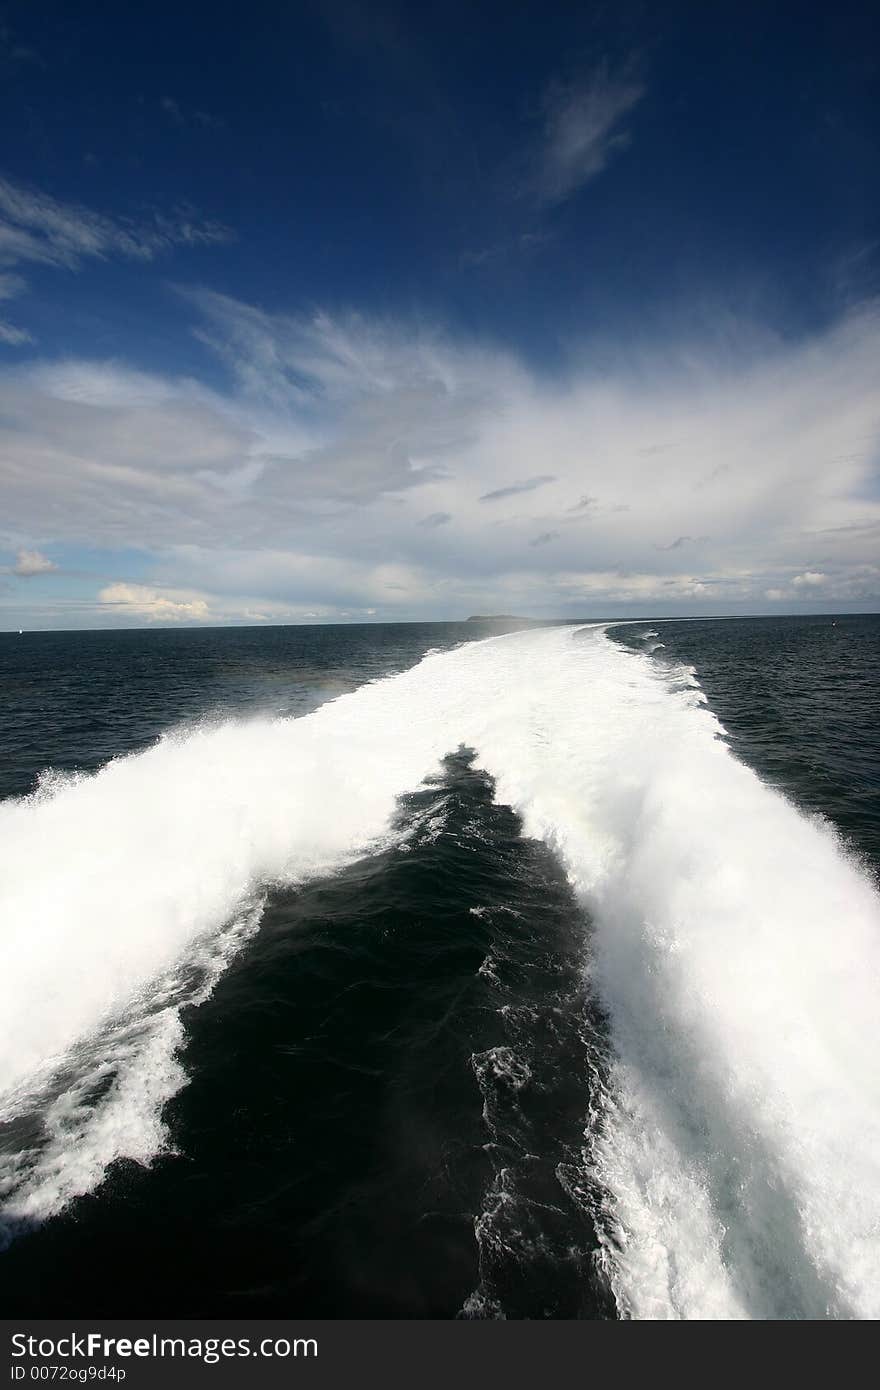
x=341, y=312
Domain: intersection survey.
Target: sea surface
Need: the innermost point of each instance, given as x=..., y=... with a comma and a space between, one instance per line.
x=449, y=970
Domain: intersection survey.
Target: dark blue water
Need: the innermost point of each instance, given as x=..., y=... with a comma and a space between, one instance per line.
x=388, y=1086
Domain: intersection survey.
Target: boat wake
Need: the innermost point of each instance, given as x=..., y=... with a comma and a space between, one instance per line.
x=735, y=1142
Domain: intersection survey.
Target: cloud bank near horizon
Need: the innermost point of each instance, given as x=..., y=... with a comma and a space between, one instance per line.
x=354, y=467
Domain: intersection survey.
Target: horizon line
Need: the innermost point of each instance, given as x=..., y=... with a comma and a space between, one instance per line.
x=445, y=622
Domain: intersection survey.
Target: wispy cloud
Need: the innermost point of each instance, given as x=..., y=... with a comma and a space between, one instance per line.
x=584, y=504
x=430, y=523
x=182, y=116
x=582, y=132
x=512, y=489
x=37, y=228
x=14, y=52
x=10, y=287
x=681, y=541
x=522, y=244
x=12, y=335
x=172, y=110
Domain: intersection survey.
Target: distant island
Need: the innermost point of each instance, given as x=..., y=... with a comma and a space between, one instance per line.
x=495, y=618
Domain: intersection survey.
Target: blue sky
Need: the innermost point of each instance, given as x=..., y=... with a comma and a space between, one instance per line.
x=350, y=311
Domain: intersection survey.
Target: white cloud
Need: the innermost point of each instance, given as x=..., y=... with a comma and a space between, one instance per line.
x=155, y=605
x=31, y=562
x=345, y=466
x=123, y=604
x=582, y=133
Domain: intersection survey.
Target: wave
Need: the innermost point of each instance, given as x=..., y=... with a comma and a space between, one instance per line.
x=736, y=1146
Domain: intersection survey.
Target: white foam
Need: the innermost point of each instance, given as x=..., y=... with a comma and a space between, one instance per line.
x=107, y=1101
x=735, y=950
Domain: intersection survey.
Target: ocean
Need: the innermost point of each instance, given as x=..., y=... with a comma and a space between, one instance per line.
x=481, y=970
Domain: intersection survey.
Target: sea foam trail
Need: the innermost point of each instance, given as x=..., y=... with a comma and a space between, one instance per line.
x=736, y=951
